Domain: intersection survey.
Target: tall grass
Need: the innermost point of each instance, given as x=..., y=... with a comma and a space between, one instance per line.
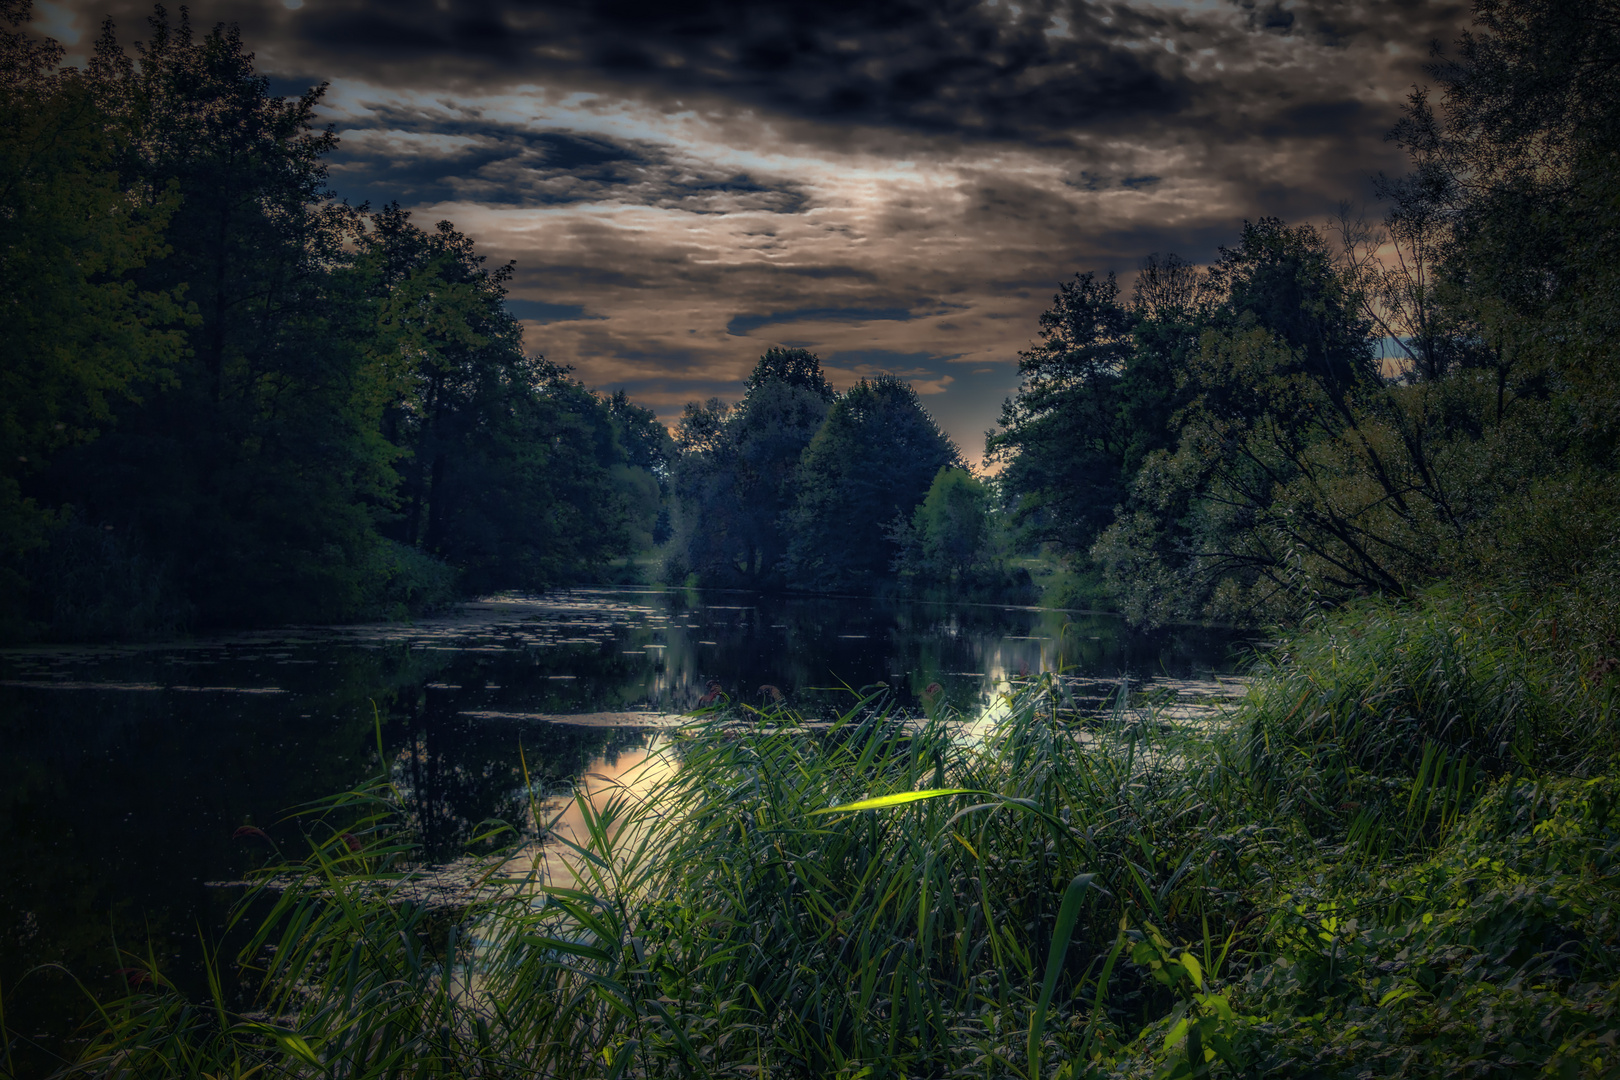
x=888, y=896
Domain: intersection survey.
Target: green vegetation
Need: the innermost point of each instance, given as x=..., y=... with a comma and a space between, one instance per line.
x=276, y=406
x=798, y=486
x=1230, y=445
x=1396, y=857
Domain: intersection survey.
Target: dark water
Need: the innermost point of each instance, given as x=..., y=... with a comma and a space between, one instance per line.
x=125, y=771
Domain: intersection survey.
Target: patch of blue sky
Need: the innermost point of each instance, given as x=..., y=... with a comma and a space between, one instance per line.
x=538, y=311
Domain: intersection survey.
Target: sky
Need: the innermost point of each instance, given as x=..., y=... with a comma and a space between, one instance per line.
x=898, y=187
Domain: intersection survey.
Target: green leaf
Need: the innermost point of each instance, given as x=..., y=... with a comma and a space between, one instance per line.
x=1397, y=995
x=883, y=802
x=289, y=1043
x=569, y=947
x=1068, y=913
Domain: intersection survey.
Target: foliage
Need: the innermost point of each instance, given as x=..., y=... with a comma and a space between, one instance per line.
x=1063, y=437
x=872, y=461
x=1287, y=468
x=949, y=534
x=795, y=486
x=649, y=455
x=508, y=464
x=799, y=368
x=265, y=390
x=737, y=474
x=1518, y=168
x=83, y=334
x=1058, y=895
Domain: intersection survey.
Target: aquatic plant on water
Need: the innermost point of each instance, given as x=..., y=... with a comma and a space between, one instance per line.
x=1056, y=894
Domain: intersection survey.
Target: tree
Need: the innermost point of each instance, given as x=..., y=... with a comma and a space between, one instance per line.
x=248, y=466
x=1520, y=169
x=869, y=465
x=227, y=393
x=708, y=518
x=1293, y=474
x=644, y=476
x=511, y=471
x=948, y=534
x=796, y=367
x=738, y=472
x=1063, y=437
x=82, y=337
x=1097, y=398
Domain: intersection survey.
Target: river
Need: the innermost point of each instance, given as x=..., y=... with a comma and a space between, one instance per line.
x=128, y=772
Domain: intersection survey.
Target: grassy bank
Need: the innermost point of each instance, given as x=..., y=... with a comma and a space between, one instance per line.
x=1397, y=859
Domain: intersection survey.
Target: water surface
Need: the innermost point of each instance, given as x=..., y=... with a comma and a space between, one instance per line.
x=127, y=771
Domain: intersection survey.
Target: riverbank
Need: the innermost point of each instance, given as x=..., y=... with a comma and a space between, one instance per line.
x=1396, y=856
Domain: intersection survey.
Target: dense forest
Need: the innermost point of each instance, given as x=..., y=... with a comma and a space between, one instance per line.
x=231, y=398
x=797, y=486
x=1358, y=408
x=228, y=397
x=1393, y=853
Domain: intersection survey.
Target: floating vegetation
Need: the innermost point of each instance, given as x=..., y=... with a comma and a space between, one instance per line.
x=1089, y=879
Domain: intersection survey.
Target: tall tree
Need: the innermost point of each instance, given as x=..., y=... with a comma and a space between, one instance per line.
x=1061, y=436
x=710, y=531
x=795, y=367
x=868, y=466
x=646, y=471
x=507, y=464
x=948, y=535
x=738, y=473
x=255, y=464
x=1287, y=475
x=1520, y=166
x=82, y=337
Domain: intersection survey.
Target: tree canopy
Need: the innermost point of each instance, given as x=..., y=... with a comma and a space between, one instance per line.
x=228, y=397
x=1230, y=444
x=738, y=472
x=797, y=486
x=870, y=464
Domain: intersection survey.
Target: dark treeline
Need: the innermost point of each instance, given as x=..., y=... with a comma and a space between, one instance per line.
x=797, y=486
x=226, y=396
x=1359, y=410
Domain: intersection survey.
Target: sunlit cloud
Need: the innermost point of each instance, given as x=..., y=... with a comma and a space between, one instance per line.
x=898, y=188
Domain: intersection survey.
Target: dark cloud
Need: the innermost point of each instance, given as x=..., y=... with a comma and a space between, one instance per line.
x=698, y=175
x=538, y=311
x=1032, y=72
x=741, y=325
x=431, y=158
x=960, y=68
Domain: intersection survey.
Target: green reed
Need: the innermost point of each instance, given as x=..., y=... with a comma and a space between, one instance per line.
x=1341, y=863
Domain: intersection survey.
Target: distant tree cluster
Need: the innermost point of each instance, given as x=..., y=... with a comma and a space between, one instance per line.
x=799, y=486
x=227, y=397
x=1234, y=442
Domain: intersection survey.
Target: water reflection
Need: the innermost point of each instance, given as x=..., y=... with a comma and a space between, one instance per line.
x=125, y=771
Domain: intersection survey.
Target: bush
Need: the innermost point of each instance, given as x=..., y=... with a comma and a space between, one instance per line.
x=92, y=582
x=1046, y=893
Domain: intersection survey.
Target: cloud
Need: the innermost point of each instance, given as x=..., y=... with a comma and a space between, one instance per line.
x=897, y=184
x=540, y=312
x=741, y=325
x=437, y=155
